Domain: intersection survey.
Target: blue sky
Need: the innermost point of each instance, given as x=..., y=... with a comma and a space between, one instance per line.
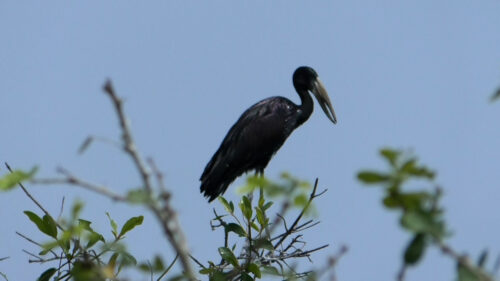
x=414, y=75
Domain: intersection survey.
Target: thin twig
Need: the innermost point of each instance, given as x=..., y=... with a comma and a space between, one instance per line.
x=284, y=208
x=291, y=229
x=33, y=198
x=294, y=241
x=62, y=209
x=168, y=268
x=73, y=180
x=34, y=242
x=197, y=262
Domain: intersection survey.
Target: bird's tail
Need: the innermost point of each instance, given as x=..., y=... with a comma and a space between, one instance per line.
x=213, y=188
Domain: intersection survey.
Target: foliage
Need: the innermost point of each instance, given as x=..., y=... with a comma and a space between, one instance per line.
x=77, y=250
x=10, y=180
x=256, y=245
x=253, y=246
x=420, y=211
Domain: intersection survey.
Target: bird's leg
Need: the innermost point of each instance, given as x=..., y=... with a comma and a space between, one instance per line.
x=261, y=195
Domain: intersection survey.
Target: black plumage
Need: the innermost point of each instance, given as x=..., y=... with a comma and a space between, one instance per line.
x=260, y=131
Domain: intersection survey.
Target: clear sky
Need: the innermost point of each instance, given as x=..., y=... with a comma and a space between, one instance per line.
x=414, y=75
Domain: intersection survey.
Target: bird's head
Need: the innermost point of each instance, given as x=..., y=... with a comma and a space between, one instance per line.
x=306, y=79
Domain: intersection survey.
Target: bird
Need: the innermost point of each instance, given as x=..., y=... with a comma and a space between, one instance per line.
x=260, y=132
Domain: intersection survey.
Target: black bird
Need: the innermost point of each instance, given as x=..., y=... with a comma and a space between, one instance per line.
x=260, y=131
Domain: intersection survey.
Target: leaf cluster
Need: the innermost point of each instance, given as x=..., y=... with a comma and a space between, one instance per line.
x=420, y=211
x=252, y=245
x=79, y=251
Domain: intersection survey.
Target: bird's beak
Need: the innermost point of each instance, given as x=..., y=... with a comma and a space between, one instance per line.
x=321, y=95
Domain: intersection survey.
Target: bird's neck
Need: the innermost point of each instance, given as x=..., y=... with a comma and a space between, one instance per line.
x=306, y=108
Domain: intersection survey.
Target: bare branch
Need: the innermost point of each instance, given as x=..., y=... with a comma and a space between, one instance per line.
x=128, y=141
x=292, y=228
x=73, y=180
x=464, y=261
x=165, y=214
x=34, y=242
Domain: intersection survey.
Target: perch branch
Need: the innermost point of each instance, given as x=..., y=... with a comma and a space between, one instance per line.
x=165, y=214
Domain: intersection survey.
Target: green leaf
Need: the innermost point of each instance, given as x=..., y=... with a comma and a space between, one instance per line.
x=45, y=225
x=391, y=155
x=410, y=167
x=10, y=180
x=85, y=224
x=114, y=226
x=206, y=271
x=236, y=228
x=423, y=222
x=229, y=207
x=270, y=270
x=407, y=201
x=246, y=207
x=93, y=236
x=218, y=276
x=246, y=277
x=144, y=267
x=261, y=217
x=76, y=209
x=371, y=177
x=254, y=226
x=45, y=276
x=158, y=264
x=127, y=259
x=35, y=218
x=50, y=226
x=253, y=268
x=254, y=182
x=301, y=200
x=130, y=224
x=228, y=256
x=262, y=200
x=263, y=243
x=267, y=205
x=112, y=260
x=138, y=196
x=415, y=249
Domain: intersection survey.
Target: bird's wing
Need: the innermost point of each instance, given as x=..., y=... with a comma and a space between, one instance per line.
x=259, y=128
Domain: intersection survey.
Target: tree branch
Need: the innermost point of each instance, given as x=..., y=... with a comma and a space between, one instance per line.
x=292, y=228
x=73, y=180
x=165, y=214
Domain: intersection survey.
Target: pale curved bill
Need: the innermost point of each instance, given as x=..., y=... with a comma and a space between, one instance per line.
x=321, y=95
